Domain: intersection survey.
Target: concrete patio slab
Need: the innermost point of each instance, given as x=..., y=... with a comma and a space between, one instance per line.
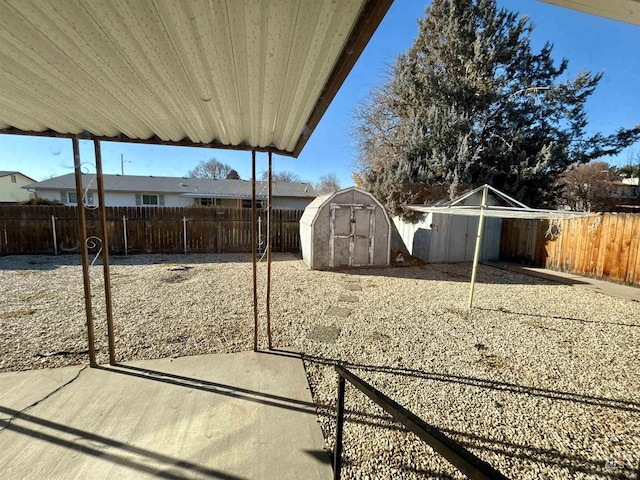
x=19, y=390
x=235, y=416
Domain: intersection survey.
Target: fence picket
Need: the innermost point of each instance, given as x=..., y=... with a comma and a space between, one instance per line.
x=26, y=229
x=605, y=246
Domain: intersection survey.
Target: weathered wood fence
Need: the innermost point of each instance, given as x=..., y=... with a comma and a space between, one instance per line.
x=30, y=229
x=604, y=246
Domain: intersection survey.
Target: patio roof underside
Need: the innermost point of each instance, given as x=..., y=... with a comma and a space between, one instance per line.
x=627, y=11
x=250, y=75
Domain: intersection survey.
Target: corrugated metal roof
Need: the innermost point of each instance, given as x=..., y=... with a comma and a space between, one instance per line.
x=248, y=74
x=622, y=10
x=179, y=185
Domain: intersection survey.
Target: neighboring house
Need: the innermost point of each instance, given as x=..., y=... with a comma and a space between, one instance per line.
x=11, y=184
x=135, y=190
x=626, y=195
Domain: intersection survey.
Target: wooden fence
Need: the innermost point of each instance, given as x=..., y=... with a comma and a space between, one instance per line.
x=30, y=229
x=604, y=246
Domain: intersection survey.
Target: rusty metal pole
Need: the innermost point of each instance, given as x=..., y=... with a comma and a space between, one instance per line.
x=269, y=254
x=104, y=232
x=253, y=250
x=337, y=448
x=82, y=233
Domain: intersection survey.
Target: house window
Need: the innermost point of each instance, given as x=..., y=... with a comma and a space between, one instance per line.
x=149, y=199
x=207, y=202
x=13, y=179
x=247, y=203
x=72, y=198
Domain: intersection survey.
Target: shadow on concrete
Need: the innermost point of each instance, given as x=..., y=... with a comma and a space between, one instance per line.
x=320, y=455
x=238, y=392
x=99, y=443
x=213, y=387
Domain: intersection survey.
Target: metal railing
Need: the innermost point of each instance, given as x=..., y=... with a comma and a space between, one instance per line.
x=461, y=458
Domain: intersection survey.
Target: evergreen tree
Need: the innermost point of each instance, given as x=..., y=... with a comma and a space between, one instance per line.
x=233, y=175
x=471, y=103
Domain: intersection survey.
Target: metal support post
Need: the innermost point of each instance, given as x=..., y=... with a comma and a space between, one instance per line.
x=104, y=232
x=337, y=449
x=124, y=234
x=476, y=255
x=253, y=250
x=269, y=253
x=82, y=233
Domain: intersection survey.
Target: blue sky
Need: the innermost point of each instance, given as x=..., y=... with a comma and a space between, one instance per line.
x=588, y=42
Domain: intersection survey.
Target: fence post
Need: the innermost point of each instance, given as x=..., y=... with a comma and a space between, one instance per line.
x=55, y=238
x=259, y=242
x=184, y=229
x=124, y=229
x=282, y=231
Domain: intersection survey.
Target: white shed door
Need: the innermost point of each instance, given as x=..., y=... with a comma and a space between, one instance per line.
x=351, y=240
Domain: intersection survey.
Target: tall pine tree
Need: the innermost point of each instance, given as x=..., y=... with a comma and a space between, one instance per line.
x=471, y=103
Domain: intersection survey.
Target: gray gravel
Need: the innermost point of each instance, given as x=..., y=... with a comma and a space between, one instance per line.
x=540, y=380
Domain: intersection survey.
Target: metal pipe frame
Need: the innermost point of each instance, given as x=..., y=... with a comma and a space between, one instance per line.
x=82, y=233
x=337, y=450
x=476, y=254
x=269, y=210
x=104, y=232
x=458, y=456
x=254, y=246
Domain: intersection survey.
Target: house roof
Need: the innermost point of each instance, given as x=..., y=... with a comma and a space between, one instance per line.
x=4, y=173
x=249, y=74
x=191, y=187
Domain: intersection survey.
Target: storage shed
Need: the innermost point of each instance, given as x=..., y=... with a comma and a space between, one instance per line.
x=348, y=228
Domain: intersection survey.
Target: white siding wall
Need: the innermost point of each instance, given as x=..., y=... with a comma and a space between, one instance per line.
x=125, y=199
x=12, y=192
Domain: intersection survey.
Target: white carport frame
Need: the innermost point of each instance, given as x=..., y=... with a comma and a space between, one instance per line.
x=512, y=209
x=255, y=75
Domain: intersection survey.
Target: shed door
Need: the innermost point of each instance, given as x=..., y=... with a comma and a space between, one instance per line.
x=351, y=240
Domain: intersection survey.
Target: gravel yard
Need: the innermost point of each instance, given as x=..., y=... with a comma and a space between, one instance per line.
x=540, y=380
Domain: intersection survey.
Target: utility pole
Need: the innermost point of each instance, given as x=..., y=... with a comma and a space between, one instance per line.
x=122, y=162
